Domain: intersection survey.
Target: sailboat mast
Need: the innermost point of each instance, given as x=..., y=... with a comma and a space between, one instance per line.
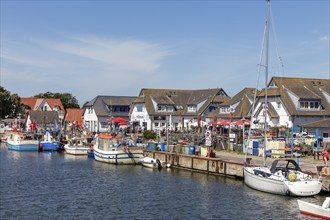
x=266, y=78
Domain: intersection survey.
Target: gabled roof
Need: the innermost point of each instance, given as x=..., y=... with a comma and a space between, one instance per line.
x=244, y=99
x=31, y=102
x=101, y=103
x=35, y=102
x=74, y=114
x=55, y=103
x=179, y=99
x=303, y=89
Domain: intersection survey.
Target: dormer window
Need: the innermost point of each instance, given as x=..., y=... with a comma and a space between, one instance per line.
x=165, y=108
x=192, y=108
x=309, y=105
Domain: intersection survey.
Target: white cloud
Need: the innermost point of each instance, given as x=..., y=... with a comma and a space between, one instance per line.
x=83, y=66
x=121, y=54
x=325, y=38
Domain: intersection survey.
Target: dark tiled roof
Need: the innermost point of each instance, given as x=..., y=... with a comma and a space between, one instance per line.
x=43, y=117
x=180, y=99
x=318, y=124
x=100, y=104
x=302, y=89
x=244, y=105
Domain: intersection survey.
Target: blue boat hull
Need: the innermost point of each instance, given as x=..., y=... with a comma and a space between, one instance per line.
x=23, y=147
x=50, y=146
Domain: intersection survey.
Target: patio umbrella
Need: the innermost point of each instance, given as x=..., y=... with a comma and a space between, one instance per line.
x=117, y=120
x=240, y=122
x=223, y=122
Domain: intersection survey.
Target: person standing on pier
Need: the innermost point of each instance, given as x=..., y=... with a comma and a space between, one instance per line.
x=325, y=157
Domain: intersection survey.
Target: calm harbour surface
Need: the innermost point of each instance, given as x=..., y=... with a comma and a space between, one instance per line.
x=55, y=185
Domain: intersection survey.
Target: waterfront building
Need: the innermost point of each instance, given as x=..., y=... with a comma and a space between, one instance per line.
x=293, y=102
x=176, y=110
x=101, y=109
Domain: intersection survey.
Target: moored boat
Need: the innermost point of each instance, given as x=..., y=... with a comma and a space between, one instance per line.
x=284, y=177
x=315, y=210
x=49, y=143
x=76, y=146
x=108, y=149
x=19, y=142
x=153, y=163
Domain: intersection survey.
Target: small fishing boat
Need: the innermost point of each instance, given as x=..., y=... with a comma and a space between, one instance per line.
x=153, y=163
x=76, y=146
x=314, y=210
x=19, y=142
x=49, y=143
x=109, y=149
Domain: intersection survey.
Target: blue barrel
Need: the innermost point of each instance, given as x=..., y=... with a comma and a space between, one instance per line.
x=163, y=146
x=255, y=151
x=268, y=153
x=255, y=144
x=150, y=146
x=192, y=150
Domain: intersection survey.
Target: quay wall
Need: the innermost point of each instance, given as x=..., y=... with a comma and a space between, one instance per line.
x=215, y=166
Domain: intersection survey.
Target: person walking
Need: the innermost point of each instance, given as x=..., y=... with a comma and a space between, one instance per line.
x=325, y=157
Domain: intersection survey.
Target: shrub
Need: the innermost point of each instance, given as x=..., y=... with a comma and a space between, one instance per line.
x=148, y=134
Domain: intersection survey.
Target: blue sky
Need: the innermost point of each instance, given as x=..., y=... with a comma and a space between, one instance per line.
x=90, y=48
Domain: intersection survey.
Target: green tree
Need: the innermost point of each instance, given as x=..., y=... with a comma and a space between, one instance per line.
x=148, y=134
x=68, y=101
x=9, y=104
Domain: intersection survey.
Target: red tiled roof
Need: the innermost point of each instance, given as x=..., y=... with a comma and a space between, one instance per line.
x=29, y=102
x=55, y=102
x=74, y=114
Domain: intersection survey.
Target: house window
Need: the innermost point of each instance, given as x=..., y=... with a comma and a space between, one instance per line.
x=156, y=124
x=161, y=108
x=163, y=124
x=211, y=108
x=139, y=108
x=90, y=110
x=312, y=105
x=192, y=108
x=279, y=105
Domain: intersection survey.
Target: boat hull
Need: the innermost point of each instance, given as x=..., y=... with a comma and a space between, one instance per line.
x=313, y=210
x=119, y=156
x=23, y=145
x=280, y=186
x=76, y=150
x=50, y=146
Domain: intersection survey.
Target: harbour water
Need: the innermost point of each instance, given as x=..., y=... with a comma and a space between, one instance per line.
x=52, y=185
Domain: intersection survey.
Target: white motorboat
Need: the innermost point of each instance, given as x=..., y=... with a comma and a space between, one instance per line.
x=284, y=177
x=76, y=146
x=108, y=149
x=315, y=210
x=154, y=163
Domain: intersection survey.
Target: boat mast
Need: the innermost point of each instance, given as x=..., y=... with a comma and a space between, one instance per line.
x=266, y=80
